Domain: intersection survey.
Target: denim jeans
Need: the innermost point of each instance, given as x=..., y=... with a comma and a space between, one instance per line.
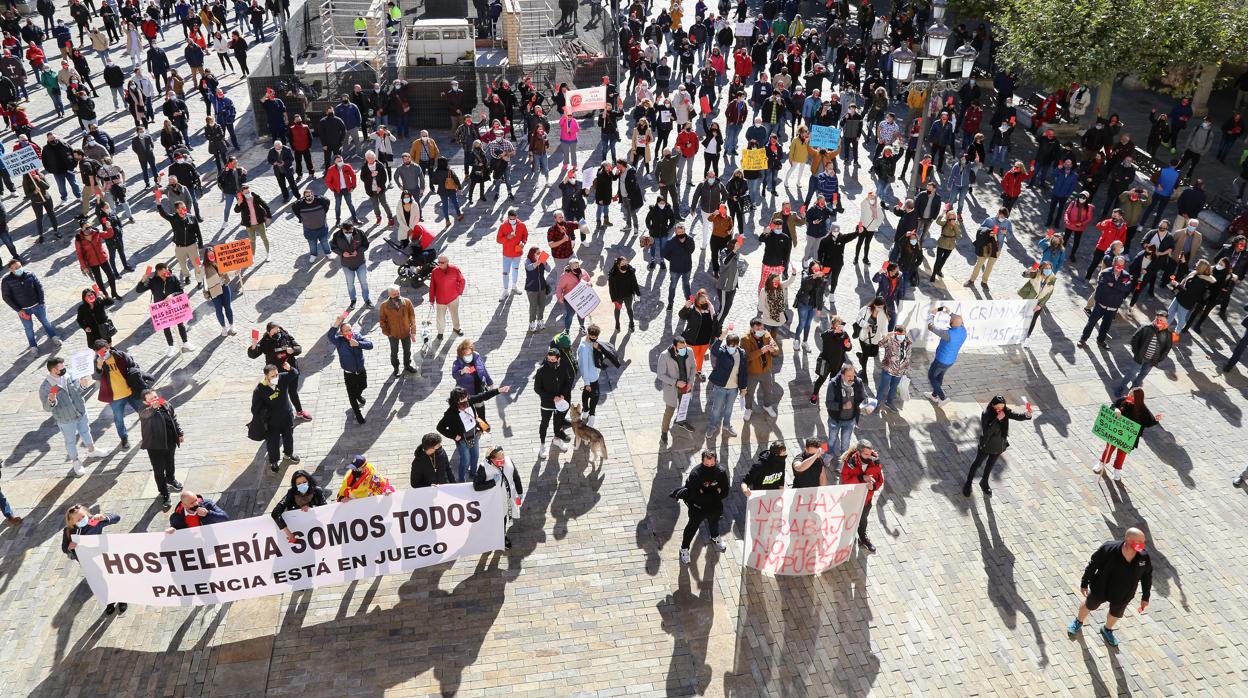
x=468, y=456
x=604, y=213
x=352, y=275
x=1134, y=377
x=511, y=270
x=318, y=241
x=719, y=407
x=656, y=250
x=887, y=387
x=1178, y=314
x=731, y=136
x=4, y=506
x=450, y=202
x=338, y=199
x=840, y=434
x=72, y=430
x=936, y=374
x=805, y=314
x=959, y=193
x=68, y=177
x=998, y=158
x=119, y=413
x=41, y=312
x=568, y=314
x=683, y=277
x=541, y=163
x=224, y=305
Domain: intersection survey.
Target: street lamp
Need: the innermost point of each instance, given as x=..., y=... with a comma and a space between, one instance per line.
x=934, y=73
x=938, y=9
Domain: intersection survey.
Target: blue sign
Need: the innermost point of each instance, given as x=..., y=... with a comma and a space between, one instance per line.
x=826, y=137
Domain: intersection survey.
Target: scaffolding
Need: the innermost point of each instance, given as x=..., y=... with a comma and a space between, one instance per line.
x=342, y=49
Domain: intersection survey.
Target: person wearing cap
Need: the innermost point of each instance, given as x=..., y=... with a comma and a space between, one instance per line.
x=553, y=383
x=706, y=486
x=951, y=340
x=498, y=471
x=861, y=465
x=1117, y=569
x=995, y=422
x=350, y=348
x=362, y=481
x=767, y=472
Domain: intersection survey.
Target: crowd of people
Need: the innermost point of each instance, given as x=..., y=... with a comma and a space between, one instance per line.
x=697, y=99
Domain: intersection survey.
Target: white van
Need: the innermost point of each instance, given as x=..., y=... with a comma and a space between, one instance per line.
x=440, y=42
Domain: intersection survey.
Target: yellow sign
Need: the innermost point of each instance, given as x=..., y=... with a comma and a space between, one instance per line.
x=754, y=159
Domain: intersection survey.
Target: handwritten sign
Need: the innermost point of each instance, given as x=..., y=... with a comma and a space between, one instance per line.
x=233, y=255
x=826, y=137
x=989, y=324
x=743, y=29
x=81, y=364
x=171, y=311
x=587, y=177
x=1115, y=429
x=808, y=530
x=588, y=99
x=583, y=299
x=754, y=159
x=21, y=161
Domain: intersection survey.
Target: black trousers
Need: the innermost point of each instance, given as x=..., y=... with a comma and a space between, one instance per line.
x=985, y=459
x=628, y=307
x=561, y=424
x=862, y=521
x=725, y=303
x=181, y=333
x=942, y=256
x=103, y=275
x=696, y=517
x=406, y=342
x=589, y=398
x=330, y=151
x=303, y=158
x=356, y=383
x=718, y=244
x=864, y=244
x=285, y=438
x=162, y=469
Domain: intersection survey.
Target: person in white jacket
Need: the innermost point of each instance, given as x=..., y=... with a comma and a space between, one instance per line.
x=870, y=329
x=870, y=218
x=498, y=471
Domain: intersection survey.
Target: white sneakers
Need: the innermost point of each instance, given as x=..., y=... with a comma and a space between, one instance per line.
x=543, y=451
x=188, y=347
x=504, y=296
x=719, y=544
x=515, y=291
x=225, y=331
x=589, y=421
x=172, y=351
x=1097, y=468
x=79, y=471
x=684, y=556
x=1117, y=475
x=797, y=345
x=748, y=414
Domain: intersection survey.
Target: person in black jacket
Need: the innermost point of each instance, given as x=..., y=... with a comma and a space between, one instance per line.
x=304, y=493
x=278, y=347
x=767, y=473
x=553, y=380
x=93, y=318
x=272, y=414
x=430, y=464
x=995, y=422
x=660, y=220
x=1115, y=571
x=622, y=287
x=704, y=492
x=163, y=285
x=1150, y=345
x=834, y=348
x=161, y=436
x=464, y=423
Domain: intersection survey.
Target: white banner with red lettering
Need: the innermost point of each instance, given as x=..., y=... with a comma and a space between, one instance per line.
x=334, y=543
x=804, y=530
x=587, y=99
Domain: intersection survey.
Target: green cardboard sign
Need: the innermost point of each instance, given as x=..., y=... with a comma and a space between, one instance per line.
x=1115, y=430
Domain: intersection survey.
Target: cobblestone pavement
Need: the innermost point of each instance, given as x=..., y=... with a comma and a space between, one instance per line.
x=964, y=597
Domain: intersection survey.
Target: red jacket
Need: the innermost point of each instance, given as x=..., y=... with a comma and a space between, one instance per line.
x=742, y=64
x=1012, y=183
x=333, y=182
x=300, y=137
x=445, y=286
x=1077, y=217
x=513, y=246
x=1109, y=233
x=687, y=143
x=855, y=471
x=91, y=252
x=35, y=56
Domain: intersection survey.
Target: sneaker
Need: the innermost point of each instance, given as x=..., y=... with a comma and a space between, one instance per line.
x=1237, y=482
x=79, y=471
x=1096, y=468
x=125, y=443
x=504, y=296
x=797, y=345
x=748, y=414
x=230, y=330
x=369, y=305
x=710, y=433
x=175, y=485
x=165, y=502
x=171, y=352
x=108, y=610
x=983, y=485
x=730, y=430
x=121, y=608
x=188, y=347
x=932, y=397
x=543, y=451
x=589, y=421
x=684, y=556
x=225, y=331
x=13, y=520
x=304, y=414
x=1074, y=627
x=562, y=440
x=515, y=291
x=866, y=543
x=1110, y=638
x=1117, y=475
x=814, y=398
x=719, y=544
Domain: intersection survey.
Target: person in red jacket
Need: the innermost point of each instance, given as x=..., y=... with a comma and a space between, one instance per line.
x=687, y=144
x=513, y=234
x=1113, y=229
x=93, y=259
x=340, y=179
x=446, y=284
x=862, y=465
x=1012, y=185
x=301, y=143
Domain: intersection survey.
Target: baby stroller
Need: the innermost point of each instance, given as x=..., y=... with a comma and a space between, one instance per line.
x=418, y=257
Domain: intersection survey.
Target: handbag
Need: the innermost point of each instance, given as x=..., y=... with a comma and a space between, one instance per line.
x=646, y=242
x=903, y=388
x=1027, y=290
x=483, y=426
x=257, y=430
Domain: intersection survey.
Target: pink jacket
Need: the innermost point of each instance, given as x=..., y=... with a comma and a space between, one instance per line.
x=1075, y=220
x=569, y=128
x=568, y=281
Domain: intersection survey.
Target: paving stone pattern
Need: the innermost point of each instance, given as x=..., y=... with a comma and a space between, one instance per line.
x=964, y=596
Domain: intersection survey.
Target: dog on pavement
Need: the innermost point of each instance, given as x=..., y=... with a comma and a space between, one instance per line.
x=582, y=433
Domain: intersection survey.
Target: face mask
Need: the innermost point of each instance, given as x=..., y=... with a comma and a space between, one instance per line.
x=357, y=471
x=19, y=271
x=759, y=333
x=62, y=371
x=914, y=242
x=82, y=523
x=1137, y=547
x=302, y=487
x=1048, y=272
x=499, y=462
x=684, y=351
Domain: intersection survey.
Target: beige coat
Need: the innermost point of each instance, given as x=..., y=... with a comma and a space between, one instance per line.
x=669, y=372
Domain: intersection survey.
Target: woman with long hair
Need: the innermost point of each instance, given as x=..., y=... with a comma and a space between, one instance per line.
x=870, y=328
x=217, y=290
x=1133, y=408
x=464, y=423
x=304, y=493
x=773, y=302
x=700, y=326
x=536, y=287
x=80, y=522
x=623, y=288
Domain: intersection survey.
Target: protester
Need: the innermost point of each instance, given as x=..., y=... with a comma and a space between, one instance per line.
x=278, y=347
x=193, y=510
x=163, y=285
x=993, y=441
x=397, y=319
x=498, y=471
x=446, y=285
x=350, y=348
x=465, y=424
x=362, y=481
x=861, y=465
x=846, y=395
x=705, y=488
x=23, y=292
x=80, y=522
x=304, y=493
x=66, y=400
x=1112, y=576
x=430, y=465
x=273, y=415
x=894, y=365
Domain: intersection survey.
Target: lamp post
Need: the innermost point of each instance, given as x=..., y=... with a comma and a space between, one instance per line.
x=934, y=72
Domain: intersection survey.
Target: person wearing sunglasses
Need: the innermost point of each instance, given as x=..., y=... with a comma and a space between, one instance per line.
x=1115, y=571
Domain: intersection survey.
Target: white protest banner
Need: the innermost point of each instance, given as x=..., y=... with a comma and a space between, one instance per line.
x=335, y=543
x=587, y=177
x=588, y=99
x=682, y=408
x=21, y=161
x=804, y=530
x=743, y=29
x=583, y=299
x=81, y=364
x=988, y=323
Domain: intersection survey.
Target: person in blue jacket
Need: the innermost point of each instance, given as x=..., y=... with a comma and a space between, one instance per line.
x=80, y=522
x=194, y=510
x=1167, y=180
x=951, y=341
x=350, y=348
x=1065, y=179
